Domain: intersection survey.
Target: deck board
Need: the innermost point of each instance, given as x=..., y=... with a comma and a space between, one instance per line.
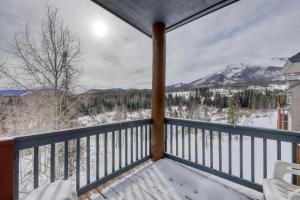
x=167, y=179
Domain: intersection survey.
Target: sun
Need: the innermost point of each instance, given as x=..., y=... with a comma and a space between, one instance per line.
x=99, y=28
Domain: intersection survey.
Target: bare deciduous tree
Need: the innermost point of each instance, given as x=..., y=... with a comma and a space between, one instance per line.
x=50, y=61
x=46, y=61
x=47, y=66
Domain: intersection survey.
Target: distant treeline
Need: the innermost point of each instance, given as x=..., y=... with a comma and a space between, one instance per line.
x=141, y=99
x=245, y=98
x=136, y=100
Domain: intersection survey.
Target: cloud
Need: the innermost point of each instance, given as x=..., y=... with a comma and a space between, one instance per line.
x=251, y=31
x=248, y=31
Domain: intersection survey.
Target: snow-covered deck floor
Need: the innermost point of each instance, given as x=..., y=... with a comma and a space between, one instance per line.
x=167, y=179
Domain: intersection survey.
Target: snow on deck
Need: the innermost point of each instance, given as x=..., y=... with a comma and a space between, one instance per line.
x=167, y=179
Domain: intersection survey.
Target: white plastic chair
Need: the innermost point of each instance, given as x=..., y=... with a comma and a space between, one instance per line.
x=277, y=188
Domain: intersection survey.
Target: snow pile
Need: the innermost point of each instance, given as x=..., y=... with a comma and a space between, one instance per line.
x=58, y=190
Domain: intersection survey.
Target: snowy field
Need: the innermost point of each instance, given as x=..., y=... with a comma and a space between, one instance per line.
x=110, y=117
x=263, y=119
x=267, y=119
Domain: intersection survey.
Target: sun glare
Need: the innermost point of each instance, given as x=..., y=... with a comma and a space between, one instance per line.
x=99, y=28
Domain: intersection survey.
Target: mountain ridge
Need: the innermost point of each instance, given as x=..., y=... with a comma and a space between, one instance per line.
x=237, y=74
x=232, y=75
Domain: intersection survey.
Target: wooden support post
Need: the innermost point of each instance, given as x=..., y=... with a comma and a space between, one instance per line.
x=158, y=91
x=279, y=118
x=282, y=121
x=6, y=168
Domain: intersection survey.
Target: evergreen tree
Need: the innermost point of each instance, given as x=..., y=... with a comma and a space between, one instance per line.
x=233, y=112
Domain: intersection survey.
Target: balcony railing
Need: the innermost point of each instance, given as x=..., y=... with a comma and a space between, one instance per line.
x=112, y=149
x=94, y=155
x=244, y=155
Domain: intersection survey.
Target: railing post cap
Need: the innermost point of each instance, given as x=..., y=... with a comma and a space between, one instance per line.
x=7, y=141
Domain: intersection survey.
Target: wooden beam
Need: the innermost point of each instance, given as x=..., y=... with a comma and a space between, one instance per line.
x=158, y=90
x=6, y=168
x=298, y=162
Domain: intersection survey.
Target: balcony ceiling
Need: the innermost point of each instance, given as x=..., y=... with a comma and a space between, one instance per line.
x=141, y=14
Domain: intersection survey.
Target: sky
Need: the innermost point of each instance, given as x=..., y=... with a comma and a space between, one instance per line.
x=117, y=55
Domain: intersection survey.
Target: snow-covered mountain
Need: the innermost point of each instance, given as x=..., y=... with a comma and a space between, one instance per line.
x=237, y=74
x=180, y=85
x=240, y=74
